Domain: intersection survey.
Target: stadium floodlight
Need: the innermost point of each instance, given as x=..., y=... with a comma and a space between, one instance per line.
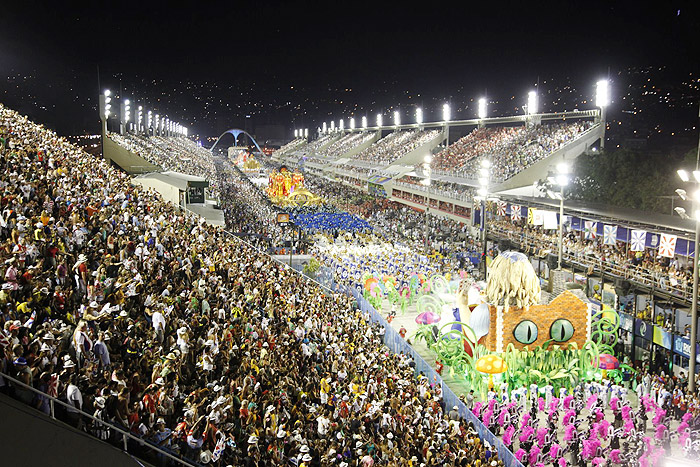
x=397, y=118
x=306, y=132
x=602, y=93
x=364, y=122
x=107, y=93
x=332, y=126
x=482, y=192
x=428, y=159
x=485, y=163
x=483, y=172
x=296, y=133
x=482, y=108
x=341, y=125
x=532, y=102
x=563, y=168
x=352, y=123
x=419, y=115
x=324, y=128
x=446, y=112
x=379, y=120
x=696, y=175
x=683, y=174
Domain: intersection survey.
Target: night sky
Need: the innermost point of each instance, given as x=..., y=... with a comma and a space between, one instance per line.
x=295, y=59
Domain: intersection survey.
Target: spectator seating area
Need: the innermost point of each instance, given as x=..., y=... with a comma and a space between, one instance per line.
x=125, y=307
x=510, y=149
x=395, y=145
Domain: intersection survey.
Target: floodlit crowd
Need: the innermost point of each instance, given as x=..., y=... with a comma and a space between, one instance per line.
x=175, y=154
x=645, y=267
x=509, y=149
x=395, y=145
x=123, y=307
x=346, y=143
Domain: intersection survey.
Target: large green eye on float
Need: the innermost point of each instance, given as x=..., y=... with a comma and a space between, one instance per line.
x=525, y=332
x=562, y=330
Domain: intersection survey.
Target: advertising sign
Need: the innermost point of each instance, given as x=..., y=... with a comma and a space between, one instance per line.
x=643, y=329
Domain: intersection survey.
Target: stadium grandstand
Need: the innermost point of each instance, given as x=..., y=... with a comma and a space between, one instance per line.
x=184, y=343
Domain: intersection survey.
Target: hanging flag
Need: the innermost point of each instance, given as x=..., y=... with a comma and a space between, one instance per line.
x=502, y=206
x=530, y=215
x=590, y=229
x=638, y=240
x=550, y=220
x=667, y=247
x=539, y=217
x=30, y=321
x=609, y=234
x=515, y=213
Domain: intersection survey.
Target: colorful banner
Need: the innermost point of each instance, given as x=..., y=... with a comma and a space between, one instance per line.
x=590, y=229
x=643, y=329
x=662, y=338
x=515, y=213
x=609, y=234
x=530, y=215
x=681, y=346
x=638, y=240
x=502, y=206
x=667, y=247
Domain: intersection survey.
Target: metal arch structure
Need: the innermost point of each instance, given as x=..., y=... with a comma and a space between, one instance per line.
x=235, y=132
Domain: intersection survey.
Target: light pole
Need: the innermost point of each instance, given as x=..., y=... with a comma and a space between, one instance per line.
x=561, y=179
x=483, y=192
x=694, y=304
x=602, y=100
x=105, y=111
x=446, y=114
x=426, y=167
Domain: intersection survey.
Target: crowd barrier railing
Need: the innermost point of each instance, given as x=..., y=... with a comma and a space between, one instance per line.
x=126, y=435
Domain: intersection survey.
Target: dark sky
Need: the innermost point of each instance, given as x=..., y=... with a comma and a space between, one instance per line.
x=432, y=48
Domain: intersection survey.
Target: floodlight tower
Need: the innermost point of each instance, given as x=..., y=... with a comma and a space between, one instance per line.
x=105, y=104
x=419, y=118
x=481, y=112
x=602, y=100
x=352, y=123
x=397, y=118
x=364, y=122
x=446, y=114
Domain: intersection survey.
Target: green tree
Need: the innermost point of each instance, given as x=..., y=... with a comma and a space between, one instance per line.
x=627, y=178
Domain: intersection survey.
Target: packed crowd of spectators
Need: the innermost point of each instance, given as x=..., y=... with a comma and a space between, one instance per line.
x=120, y=305
x=345, y=144
x=438, y=187
x=289, y=147
x=510, y=149
x=645, y=267
x=395, y=145
x=171, y=153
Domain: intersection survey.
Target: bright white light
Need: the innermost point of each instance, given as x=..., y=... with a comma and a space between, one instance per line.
x=140, y=108
x=126, y=102
x=483, y=181
x=562, y=180
x=428, y=159
x=296, y=133
x=379, y=120
x=446, y=112
x=682, y=193
x=419, y=115
x=324, y=128
x=397, y=118
x=696, y=195
x=341, y=125
x=108, y=93
x=683, y=175
x=332, y=126
x=482, y=108
x=352, y=123
x=563, y=168
x=532, y=102
x=697, y=218
x=483, y=172
x=602, y=93
x=485, y=163
x=482, y=192
x=696, y=175
x=306, y=132
x=364, y=122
